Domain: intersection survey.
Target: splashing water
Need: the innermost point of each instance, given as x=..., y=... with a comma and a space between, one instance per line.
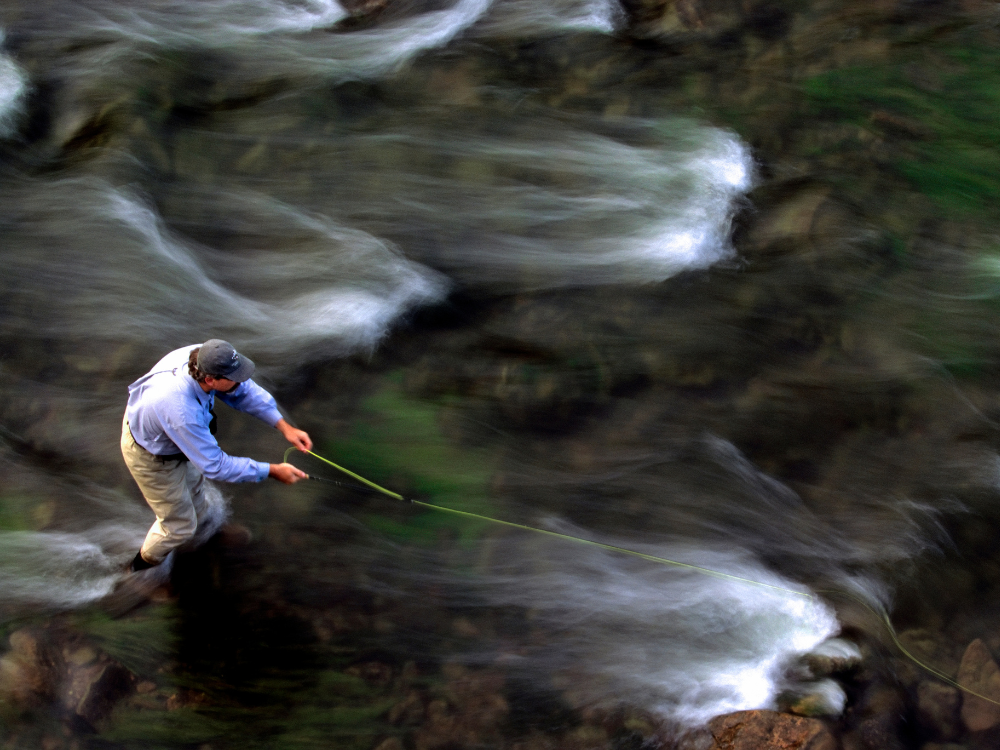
x=553, y=204
x=524, y=18
x=691, y=646
x=57, y=569
x=337, y=292
x=13, y=89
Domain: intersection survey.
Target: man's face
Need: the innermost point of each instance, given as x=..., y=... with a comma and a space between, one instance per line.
x=222, y=385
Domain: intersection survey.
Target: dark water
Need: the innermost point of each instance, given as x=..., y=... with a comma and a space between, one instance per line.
x=712, y=282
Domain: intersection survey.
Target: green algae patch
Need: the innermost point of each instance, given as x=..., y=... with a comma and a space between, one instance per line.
x=398, y=442
x=143, y=642
x=24, y=513
x=165, y=728
x=939, y=115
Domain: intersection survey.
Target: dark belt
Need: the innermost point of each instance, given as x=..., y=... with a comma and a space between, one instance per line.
x=176, y=456
x=170, y=457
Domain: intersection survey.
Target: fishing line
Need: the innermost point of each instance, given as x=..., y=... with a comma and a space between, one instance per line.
x=568, y=537
x=879, y=612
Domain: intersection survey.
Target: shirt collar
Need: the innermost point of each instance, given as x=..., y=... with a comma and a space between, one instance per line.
x=195, y=387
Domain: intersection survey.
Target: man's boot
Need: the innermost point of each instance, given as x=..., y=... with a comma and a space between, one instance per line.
x=138, y=563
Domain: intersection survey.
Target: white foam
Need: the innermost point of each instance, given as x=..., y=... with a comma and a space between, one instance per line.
x=67, y=569
x=123, y=275
x=377, y=52
x=352, y=311
x=687, y=645
x=211, y=23
x=562, y=206
x=274, y=34
x=13, y=90
x=56, y=569
x=524, y=18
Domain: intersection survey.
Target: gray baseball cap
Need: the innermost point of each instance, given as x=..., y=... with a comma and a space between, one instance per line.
x=220, y=359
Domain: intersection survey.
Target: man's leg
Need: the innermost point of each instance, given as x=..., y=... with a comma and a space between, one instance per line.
x=167, y=490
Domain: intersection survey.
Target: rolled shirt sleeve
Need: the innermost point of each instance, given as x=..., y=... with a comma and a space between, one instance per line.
x=195, y=441
x=251, y=398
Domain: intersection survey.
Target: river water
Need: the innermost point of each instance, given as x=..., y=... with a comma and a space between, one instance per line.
x=698, y=280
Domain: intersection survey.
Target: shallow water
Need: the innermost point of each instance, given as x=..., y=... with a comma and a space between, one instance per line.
x=652, y=276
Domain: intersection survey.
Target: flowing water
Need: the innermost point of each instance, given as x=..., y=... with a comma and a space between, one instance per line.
x=713, y=282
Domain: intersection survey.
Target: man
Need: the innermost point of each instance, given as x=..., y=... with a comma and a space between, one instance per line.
x=169, y=445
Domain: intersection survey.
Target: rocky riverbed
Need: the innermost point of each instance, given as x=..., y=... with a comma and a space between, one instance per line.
x=824, y=397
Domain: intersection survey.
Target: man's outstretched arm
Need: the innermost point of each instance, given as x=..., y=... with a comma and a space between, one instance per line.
x=299, y=438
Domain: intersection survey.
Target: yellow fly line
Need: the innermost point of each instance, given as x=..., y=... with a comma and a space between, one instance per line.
x=880, y=612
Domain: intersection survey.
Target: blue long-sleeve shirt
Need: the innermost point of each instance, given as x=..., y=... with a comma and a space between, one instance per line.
x=168, y=413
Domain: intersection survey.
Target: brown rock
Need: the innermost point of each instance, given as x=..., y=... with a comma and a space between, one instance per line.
x=937, y=705
x=790, y=222
x=979, y=673
x=29, y=672
x=92, y=690
x=769, y=730
x=410, y=710
x=880, y=733
x=474, y=709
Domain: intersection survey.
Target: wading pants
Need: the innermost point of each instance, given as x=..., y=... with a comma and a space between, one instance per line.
x=175, y=490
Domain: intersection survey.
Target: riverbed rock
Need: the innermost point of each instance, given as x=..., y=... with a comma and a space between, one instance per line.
x=979, y=672
x=29, y=671
x=471, y=710
x=769, y=730
x=880, y=732
x=834, y=656
x=92, y=689
x=937, y=707
x=821, y=698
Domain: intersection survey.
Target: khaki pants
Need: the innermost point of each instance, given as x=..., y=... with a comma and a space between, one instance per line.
x=175, y=490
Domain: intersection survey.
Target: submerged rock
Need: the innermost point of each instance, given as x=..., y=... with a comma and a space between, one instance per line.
x=979, y=672
x=769, y=730
x=91, y=690
x=44, y=666
x=29, y=671
x=833, y=656
x=937, y=706
x=821, y=698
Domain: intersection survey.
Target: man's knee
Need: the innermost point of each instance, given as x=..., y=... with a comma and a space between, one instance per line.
x=182, y=525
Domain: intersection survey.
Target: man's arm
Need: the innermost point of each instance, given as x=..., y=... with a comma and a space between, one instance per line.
x=251, y=398
x=196, y=442
x=299, y=438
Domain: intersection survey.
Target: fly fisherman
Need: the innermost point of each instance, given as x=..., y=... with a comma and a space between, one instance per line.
x=169, y=445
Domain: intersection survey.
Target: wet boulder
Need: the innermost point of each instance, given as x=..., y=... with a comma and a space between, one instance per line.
x=682, y=20
x=820, y=698
x=471, y=709
x=769, y=730
x=978, y=672
x=30, y=670
x=93, y=685
x=834, y=656
x=937, y=708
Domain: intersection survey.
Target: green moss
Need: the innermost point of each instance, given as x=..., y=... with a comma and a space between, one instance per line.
x=160, y=728
x=23, y=513
x=314, y=712
x=143, y=642
x=951, y=151
x=398, y=442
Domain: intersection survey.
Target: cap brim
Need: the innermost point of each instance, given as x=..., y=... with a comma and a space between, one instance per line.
x=244, y=372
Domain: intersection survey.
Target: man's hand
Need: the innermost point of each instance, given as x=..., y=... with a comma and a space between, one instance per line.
x=286, y=473
x=299, y=438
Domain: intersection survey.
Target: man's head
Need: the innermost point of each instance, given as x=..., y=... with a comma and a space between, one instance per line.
x=217, y=360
